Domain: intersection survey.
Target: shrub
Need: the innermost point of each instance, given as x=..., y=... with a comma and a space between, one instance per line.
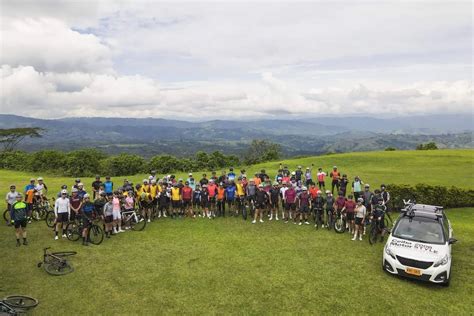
x=433, y=195
x=390, y=149
x=14, y=160
x=428, y=146
x=121, y=165
x=47, y=160
x=83, y=162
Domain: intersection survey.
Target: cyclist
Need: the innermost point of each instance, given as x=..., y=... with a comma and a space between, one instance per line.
x=340, y=203
x=87, y=215
x=304, y=204
x=220, y=200
x=321, y=175
x=99, y=203
x=80, y=190
x=117, y=213
x=187, y=194
x=212, y=189
x=284, y=187
x=329, y=207
x=385, y=196
x=367, y=197
x=274, y=200
x=108, y=186
x=378, y=214
x=10, y=198
x=19, y=218
x=76, y=203
x=230, y=198
x=357, y=187
x=42, y=189
x=145, y=203
x=318, y=205
x=257, y=180
x=129, y=205
x=343, y=184
x=290, y=199
x=76, y=182
x=360, y=214
x=108, y=212
x=164, y=201
x=240, y=191
x=298, y=175
x=349, y=208
x=154, y=189
x=261, y=199
x=205, y=202
x=204, y=180
x=231, y=175
x=95, y=187
x=250, y=192
x=197, y=200
x=30, y=200
x=335, y=175
x=308, y=176
x=175, y=200
x=62, y=210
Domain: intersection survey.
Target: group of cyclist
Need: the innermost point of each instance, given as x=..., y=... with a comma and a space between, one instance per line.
x=291, y=195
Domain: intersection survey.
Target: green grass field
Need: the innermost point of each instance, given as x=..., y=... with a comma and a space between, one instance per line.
x=228, y=266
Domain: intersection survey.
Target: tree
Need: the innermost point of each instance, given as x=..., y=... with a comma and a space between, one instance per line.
x=83, y=162
x=123, y=164
x=428, y=146
x=11, y=137
x=260, y=151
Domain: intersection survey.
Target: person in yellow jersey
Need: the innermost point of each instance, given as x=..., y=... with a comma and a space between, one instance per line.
x=154, y=196
x=175, y=200
x=240, y=197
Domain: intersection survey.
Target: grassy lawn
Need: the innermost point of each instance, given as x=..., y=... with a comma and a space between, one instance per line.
x=231, y=266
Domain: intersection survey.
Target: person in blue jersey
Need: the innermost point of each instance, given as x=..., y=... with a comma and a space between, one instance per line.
x=108, y=186
x=230, y=197
x=31, y=185
x=231, y=175
x=87, y=215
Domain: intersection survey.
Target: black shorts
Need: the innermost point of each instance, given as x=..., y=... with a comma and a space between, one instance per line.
x=63, y=217
x=186, y=203
x=21, y=223
x=304, y=209
x=259, y=205
x=358, y=220
x=109, y=219
x=204, y=203
x=321, y=184
x=290, y=206
x=275, y=202
x=350, y=216
x=212, y=200
x=176, y=204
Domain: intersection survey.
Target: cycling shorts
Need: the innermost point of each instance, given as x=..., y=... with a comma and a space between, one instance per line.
x=358, y=221
x=109, y=219
x=116, y=215
x=21, y=223
x=63, y=217
x=290, y=206
x=350, y=216
x=304, y=209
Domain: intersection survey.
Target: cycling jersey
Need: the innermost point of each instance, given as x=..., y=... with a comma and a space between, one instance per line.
x=261, y=197
x=240, y=189
x=257, y=181
x=321, y=175
x=360, y=211
x=335, y=175
x=153, y=191
x=62, y=205
x=251, y=190
x=230, y=193
x=96, y=185
x=203, y=181
x=187, y=193
x=19, y=210
x=88, y=209
x=108, y=209
x=108, y=187
x=231, y=176
x=30, y=194
x=29, y=187
x=330, y=203
x=275, y=195
x=304, y=199
x=197, y=196
x=220, y=193
x=319, y=202
x=175, y=194
x=75, y=201
x=340, y=202
x=313, y=191
x=350, y=206
x=298, y=174
x=290, y=195
x=212, y=189
x=357, y=186
x=11, y=197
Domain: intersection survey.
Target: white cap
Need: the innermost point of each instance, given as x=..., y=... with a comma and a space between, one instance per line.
x=80, y=184
x=63, y=191
x=190, y=174
x=40, y=179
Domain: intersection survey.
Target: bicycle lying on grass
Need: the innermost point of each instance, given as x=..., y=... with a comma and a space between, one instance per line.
x=55, y=263
x=17, y=304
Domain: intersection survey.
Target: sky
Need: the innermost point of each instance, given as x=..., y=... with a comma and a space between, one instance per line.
x=231, y=60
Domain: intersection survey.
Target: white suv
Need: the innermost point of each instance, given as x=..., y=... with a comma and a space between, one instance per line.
x=419, y=245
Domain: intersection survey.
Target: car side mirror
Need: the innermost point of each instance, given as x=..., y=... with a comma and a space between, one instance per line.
x=452, y=241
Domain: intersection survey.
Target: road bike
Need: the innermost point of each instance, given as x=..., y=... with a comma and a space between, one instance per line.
x=340, y=222
x=133, y=219
x=95, y=234
x=17, y=304
x=55, y=263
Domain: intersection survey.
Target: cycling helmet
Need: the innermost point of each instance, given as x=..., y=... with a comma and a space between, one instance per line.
x=344, y=175
x=304, y=188
x=80, y=184
x=377, y=191
x=74, y=190
x=204, y=185
x=12, y=186
x=107, y=178
x=86, y=196
x=299, y=167
x=307, y=168
x=19, y=195
x=150, y=177
x=367, y=185
x=65, y=192
x=190, y=174
x=64, y=187
x=260, y=185
x=40, y=179
x=252, y=181
x=382, y=186
x=275, y=183
x=32, y=180
x=78, y=180
x=138, y=186
x=360, y=200
x=334, y=167
x=231, y=169
x=319, y=192
x=145, y=181
x=187, y=183
x=153, y=181
x=293, y=173
x=328, y=192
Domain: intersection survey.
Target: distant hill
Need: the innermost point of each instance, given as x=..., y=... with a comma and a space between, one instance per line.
x=308, y=136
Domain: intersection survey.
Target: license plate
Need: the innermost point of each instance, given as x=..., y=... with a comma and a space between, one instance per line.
x=413, y=271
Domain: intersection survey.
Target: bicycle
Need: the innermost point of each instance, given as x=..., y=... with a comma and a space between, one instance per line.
x=330, y=221
x=95, y=234
x=50, y=218
x=55, y=263
x=136, y=221
x=7, y=217
x=17, y=304
x=375, y=230
x=340, y=222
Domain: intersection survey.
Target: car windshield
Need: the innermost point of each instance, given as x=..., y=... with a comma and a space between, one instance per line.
x=419, y=229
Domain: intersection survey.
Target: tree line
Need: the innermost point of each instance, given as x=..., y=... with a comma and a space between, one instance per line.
x=90, y=161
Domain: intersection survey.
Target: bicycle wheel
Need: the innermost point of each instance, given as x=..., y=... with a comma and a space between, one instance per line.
x=373, y=234
x=340, y=225
x=137, y=222
x=20, y=302
x=64, y=253
x=6, y=216
x=73, y=231
x=58, y=268
x=36, y=214
x=96, y=234
x=244, y=211
x=50, y=219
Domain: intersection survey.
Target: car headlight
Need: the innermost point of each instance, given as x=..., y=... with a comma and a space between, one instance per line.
x=389, y=252
x=442, y=261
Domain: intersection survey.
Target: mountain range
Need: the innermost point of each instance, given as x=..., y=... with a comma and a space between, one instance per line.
x=302, y=136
